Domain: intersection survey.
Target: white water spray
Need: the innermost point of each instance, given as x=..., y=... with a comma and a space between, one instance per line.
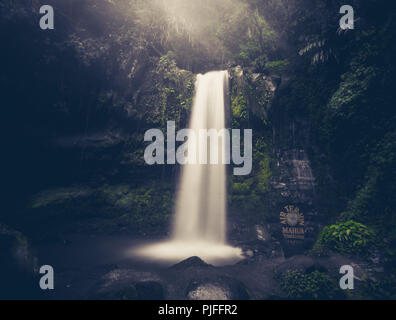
x=200, y=219
x=201, y=202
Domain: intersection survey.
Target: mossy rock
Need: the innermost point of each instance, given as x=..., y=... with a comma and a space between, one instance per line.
x=310, y=285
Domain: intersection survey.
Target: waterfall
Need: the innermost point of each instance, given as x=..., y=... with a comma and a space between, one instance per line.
x=200, y=212
x=201, y=202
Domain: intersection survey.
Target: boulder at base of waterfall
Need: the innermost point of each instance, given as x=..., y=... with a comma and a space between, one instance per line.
x=126, y=293
x=190, y=263
x=128, y=284
x=150, y=290
x=221, y=288
x=302, y=263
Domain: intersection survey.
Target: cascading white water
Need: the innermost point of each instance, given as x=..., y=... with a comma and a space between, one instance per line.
x=200, y=218
x=201, y=202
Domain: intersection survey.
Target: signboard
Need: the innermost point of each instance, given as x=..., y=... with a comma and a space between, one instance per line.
x=292, y=221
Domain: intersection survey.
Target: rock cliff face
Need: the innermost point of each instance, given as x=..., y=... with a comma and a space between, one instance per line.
x=282, y=174
x=293, y=182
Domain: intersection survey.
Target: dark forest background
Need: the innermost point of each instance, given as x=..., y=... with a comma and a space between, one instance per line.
x=77, y=100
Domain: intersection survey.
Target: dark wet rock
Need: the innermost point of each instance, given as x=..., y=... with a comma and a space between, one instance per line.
x=301, y=263
x=361, y=268
x=221, y=288
x=103, y=209
x=249, y=253
x=96, y=140
x=127, y=284
x=150, y=290
x=191, y=262
x=127, y=293
x=330, y=264
x=254, y=249
x=79, y=282
x=123, y=276
x=18, y=266
x=262, y=233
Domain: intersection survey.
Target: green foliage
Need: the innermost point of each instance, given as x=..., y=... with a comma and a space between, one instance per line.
x=374, y=201
x=248, y=195
x=251, y=97
x=133, y=150
x=171, y=95
x=141, y=207
x=103, y=209
x=247, y=38
x=346, y=237
x=277, y=67
x=384, y=289
x=241, y=188
x=239, y=111
x=58, y=196
x=314, y=285
x=349, y=101
x=263, y=177
x=262, y=156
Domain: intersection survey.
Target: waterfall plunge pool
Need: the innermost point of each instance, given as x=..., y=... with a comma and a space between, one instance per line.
x=174, y=251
